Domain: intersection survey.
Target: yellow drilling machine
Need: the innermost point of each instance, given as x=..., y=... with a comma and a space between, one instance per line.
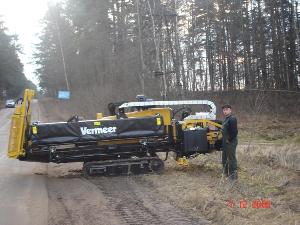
x=126, y=142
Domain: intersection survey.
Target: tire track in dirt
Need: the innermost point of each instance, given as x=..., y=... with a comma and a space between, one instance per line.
x=110, y=201
x=76, y=201
x=137, y=203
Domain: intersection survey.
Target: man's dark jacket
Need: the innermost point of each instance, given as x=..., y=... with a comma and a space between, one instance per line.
x=231, y=127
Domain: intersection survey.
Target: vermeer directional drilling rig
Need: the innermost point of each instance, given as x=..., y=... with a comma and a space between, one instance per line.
x=126, y=142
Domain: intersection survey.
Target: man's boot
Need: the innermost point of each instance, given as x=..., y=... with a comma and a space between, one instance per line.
x=233, y=176
x=225, y=171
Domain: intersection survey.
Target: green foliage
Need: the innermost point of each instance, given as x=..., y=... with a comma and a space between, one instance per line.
x=12, y=78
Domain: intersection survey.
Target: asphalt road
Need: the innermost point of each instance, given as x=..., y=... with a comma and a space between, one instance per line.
x=23, y=194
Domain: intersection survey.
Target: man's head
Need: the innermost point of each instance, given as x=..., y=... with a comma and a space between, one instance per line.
x=226, y=110
x=121, y=110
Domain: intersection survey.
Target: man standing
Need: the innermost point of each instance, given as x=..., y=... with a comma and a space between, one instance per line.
x=229, y=143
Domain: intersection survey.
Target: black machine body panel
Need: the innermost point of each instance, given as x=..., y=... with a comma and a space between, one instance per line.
x=195, y=141
x=95, y=130
x=95, y=140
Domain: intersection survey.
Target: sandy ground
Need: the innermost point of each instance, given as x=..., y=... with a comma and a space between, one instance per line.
x=33, y=193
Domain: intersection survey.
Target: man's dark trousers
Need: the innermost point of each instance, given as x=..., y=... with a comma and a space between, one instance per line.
x=230, y=141
x=229, y=157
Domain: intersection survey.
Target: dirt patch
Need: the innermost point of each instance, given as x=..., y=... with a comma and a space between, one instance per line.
x=138, y=202
x=76, y=201
x=108, y=200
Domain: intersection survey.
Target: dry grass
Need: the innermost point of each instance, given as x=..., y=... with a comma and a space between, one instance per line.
x=285, y=155
x=266, y=129
x=201, y=190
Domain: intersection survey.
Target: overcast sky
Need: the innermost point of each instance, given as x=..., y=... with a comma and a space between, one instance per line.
x=22, y=17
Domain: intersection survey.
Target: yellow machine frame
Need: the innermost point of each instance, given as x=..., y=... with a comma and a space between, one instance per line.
x=19, y=122
x=212, y=136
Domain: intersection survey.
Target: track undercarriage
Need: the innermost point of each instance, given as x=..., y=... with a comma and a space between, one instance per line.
x=108, y=160
x=132, y=166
